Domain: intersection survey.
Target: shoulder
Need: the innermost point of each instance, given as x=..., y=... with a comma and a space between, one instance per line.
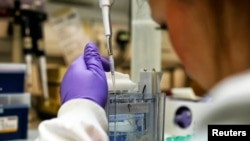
x=231, y=100
x=230, y=105
x=229, y=111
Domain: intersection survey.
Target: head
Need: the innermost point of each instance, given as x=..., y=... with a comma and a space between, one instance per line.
x=211, y=37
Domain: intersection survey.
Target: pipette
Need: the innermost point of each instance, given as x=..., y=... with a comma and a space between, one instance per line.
x=105, y=6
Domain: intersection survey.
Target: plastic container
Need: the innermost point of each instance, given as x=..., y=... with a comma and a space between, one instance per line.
x=14, y=116
x=133, y=117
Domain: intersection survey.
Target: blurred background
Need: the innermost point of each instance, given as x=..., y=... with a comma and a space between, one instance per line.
x=40, y=38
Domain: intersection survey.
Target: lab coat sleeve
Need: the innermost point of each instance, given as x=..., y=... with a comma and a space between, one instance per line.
x=78, y=120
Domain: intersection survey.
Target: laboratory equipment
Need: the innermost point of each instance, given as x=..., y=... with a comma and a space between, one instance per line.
x=146, y=40
x=32, y=37
x=183, y=109
x=27, y=50
x=105, y=6
x=12, y=77
x=137, y=115
x=14, y=103
x=27, y=18
x=40, y=18
x=14, y=110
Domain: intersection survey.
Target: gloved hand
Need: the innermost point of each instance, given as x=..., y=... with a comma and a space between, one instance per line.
x=85, y=78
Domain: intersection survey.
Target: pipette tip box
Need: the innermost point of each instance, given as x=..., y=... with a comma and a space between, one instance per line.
x=14, y=116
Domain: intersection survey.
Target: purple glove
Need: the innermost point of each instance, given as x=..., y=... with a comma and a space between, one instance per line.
x=85, y=78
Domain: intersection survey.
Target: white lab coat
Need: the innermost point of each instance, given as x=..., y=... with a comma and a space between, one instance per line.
x=230, y=105
x=78, y=120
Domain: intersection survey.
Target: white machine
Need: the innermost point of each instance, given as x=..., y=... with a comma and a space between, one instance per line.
x=182, y=111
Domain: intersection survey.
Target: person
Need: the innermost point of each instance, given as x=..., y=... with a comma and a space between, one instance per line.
x=211, y=38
